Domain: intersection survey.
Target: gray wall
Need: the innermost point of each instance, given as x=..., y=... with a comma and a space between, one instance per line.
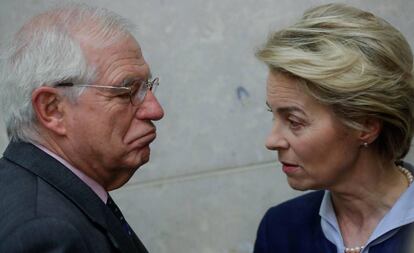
x=210, y=178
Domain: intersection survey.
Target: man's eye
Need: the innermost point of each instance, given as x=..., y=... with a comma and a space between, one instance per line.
x=134, y=85
x=123, y=95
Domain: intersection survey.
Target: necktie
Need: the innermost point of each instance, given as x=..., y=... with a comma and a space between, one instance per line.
x=115, y=210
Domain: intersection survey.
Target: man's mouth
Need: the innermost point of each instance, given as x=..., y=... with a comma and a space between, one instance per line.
x=144, y=140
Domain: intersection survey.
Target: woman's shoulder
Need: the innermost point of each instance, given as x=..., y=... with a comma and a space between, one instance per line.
x=302, y=209
x=293, y=226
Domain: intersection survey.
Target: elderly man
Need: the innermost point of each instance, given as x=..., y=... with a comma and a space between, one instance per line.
x=79, y=105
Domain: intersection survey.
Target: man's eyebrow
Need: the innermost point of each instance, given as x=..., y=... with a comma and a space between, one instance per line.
x=128, y=78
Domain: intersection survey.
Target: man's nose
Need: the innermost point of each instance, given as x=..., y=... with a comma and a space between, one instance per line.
x=150, y=108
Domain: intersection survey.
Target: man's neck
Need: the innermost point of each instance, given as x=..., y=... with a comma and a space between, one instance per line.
x=95, y=186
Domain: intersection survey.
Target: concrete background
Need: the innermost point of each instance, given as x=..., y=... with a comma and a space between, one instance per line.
x=210, y=179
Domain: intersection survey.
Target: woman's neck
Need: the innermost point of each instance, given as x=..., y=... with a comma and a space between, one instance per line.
x=360, y=204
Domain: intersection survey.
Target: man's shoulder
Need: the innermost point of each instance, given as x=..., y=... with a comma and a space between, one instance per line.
x=46, y=232
x=35, y=183
x=300, y=210
x=30, y=204
x=19, y=191
x=16, y=183
x=26, y=196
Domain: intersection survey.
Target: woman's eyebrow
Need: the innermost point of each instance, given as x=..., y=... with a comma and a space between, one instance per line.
x=287, y=109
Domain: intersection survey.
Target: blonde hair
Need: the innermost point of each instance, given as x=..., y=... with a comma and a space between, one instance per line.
x=354, y=62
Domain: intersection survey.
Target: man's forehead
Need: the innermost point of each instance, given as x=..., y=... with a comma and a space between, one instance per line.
x=96, y=52
x=117, y=62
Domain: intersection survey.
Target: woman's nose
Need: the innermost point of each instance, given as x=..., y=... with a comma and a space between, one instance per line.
x=276, y=139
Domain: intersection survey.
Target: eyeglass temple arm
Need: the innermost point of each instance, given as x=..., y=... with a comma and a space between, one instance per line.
x=64, y=85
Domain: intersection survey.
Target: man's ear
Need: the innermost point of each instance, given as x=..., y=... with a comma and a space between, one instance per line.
x=371, y=131
x=48, y=106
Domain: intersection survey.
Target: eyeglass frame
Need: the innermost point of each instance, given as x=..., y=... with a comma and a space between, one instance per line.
x=147, y=84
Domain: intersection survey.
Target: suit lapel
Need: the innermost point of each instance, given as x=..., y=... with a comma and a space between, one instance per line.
x=138, y=243
x=119, y=234
x=54, y=173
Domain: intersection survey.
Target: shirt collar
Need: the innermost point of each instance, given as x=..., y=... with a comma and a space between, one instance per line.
x=97, y=188
x=402, y=213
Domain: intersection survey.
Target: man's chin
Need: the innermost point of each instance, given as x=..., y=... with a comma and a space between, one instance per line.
x=141, y=156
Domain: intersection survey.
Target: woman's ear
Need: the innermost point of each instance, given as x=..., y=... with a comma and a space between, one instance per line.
x=48, y=106
x=371, y=131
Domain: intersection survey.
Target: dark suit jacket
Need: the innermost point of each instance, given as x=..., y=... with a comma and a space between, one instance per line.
x=295, y=227
x=45, y=208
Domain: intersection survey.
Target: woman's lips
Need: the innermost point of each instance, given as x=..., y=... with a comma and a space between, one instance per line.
x=289, y=168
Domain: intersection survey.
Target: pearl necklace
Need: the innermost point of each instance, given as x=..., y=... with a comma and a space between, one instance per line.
x=410, y=179
x=354, y=250
x=407, y=174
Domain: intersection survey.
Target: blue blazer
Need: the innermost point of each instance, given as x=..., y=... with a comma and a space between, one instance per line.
x=45, y=208
x=295, y=227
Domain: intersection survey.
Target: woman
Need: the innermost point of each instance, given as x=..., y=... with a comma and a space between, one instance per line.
x=341, y=93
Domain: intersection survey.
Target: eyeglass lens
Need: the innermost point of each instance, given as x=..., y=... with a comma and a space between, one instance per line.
x=140, y=90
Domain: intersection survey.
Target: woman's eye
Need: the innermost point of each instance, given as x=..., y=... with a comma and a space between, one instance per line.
x=295, y=124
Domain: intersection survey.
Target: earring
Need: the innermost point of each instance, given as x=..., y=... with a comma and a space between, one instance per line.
x=365, y=144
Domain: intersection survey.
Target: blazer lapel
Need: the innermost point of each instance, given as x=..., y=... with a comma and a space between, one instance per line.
x=53, y=172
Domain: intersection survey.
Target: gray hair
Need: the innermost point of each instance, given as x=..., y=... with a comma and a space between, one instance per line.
x=354, y=62
x=47, y=51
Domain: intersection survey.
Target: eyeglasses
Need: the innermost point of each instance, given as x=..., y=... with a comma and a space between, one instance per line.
x=135, y=88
